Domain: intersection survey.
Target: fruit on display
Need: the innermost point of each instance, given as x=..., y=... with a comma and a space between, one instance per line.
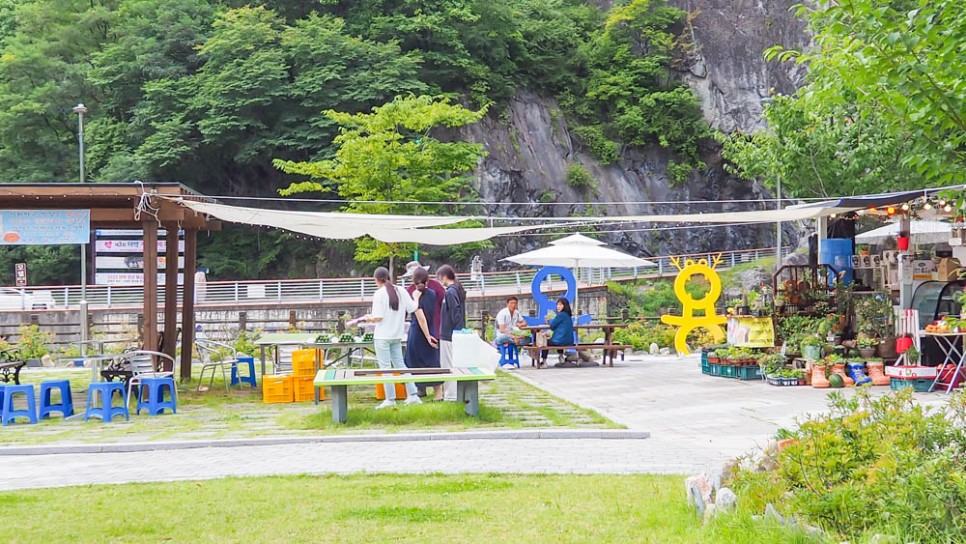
x=835, y=381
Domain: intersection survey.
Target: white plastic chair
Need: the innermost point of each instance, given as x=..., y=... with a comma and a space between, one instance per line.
x=208, y=351
x=907, y=324
x=141, y=363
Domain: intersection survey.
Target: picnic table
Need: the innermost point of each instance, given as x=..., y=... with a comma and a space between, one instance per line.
x=466, y=379
x=608, y=347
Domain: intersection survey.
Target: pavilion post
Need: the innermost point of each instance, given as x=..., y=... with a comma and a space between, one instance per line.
x=171, y=290
x=188, y=301
x=150, y=333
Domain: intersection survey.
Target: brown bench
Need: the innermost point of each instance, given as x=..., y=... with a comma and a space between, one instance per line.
x=609, y=349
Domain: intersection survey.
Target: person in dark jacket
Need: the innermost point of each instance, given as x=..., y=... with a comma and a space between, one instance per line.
x=562, y=326
x=422, y=349
x=453, y=319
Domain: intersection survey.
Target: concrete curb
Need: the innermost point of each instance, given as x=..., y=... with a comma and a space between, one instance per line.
x=536, y=434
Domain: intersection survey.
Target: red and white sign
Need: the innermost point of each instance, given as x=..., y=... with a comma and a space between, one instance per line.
x=20, y=273
x=130, y=246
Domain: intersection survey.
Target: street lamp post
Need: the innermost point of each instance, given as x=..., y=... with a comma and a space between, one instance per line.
x=80, y=110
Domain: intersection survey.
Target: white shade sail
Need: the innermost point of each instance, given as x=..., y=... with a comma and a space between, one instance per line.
x=921, y=232
x=349, y=226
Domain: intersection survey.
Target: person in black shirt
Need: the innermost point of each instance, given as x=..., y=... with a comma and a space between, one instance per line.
x=453, y=318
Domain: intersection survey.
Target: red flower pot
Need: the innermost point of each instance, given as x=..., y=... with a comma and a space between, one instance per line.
x=903, y=243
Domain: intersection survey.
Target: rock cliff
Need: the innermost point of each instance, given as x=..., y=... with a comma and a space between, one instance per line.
x=530, y=147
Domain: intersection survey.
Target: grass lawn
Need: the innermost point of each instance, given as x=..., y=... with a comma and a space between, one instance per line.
x=377, y=508
x=505, y=403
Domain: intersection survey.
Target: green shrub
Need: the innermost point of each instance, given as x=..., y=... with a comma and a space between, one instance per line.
x=602, y=148
x=33, y=342
x=579, y=178
x=641, y=334
x=245, y=342
x=649, y=297
x=885, y=465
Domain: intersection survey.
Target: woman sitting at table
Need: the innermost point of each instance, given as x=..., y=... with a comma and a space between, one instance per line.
x=562, y=326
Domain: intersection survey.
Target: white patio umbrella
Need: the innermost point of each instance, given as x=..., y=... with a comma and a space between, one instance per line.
x=578, y=251
x=922, y=232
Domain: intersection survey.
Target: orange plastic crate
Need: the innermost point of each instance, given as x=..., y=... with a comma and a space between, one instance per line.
x=305, y=390
x=400, y=390
x=277, y=389
x=303, y=363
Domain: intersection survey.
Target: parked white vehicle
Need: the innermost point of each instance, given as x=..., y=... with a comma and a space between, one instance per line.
x=18, y=299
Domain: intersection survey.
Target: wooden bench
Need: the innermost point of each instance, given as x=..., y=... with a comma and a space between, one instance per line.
x=338, y=380
x=609, y=349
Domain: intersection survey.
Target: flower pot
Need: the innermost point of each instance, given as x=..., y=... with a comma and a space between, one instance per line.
x=867, y=353
x=902, y=242
x=34, y=363
x=743, y=310
x=887, y=348
x=812, y=352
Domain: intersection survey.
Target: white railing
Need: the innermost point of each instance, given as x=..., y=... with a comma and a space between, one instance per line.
x=358, y=289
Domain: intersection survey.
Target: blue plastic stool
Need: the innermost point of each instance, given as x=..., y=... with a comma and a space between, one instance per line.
x=152, y=399
x=66, y=406
x=509, y=354
x=107, y=410
x=9, y=413
x=236, y=379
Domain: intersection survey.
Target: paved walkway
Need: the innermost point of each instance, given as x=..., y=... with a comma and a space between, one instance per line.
x=695, y=422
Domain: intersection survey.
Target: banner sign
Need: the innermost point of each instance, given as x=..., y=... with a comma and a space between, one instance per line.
x=130, y=246
x=127, y=278
x=751, y=332
x=44, y=227
x=133, y=262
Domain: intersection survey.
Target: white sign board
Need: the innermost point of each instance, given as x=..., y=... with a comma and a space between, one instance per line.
x=127, y=278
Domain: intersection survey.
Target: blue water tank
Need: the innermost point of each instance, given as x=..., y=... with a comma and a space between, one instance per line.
x=837, y=252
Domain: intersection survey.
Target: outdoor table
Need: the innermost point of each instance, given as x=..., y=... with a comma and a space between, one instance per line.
x=951, y=344
x=608, y=329
x=308, y=341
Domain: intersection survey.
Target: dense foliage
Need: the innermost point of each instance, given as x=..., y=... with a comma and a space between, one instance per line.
x=210, y=92
x=882, y=465
x=885, y=104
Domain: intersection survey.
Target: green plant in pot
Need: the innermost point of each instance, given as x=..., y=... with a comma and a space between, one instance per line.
x=812, y=347
x=912, y=356
x=874, y=315
x=866, y=346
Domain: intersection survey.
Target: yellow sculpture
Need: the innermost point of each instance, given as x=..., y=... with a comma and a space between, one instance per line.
x=687, y=321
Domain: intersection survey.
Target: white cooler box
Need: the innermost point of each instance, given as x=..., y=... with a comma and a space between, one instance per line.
x=470, y=350
x=911, y=372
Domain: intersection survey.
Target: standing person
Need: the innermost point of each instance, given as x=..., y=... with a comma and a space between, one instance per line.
x=508, y=320
x=422, y=348
x=562, y=326
x=390, y=304
x=453, y=318
x=437, y=288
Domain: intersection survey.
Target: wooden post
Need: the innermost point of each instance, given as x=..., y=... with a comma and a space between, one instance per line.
x=292, y=319
x=171, y=291
x=188, y=302
x=150, y=334
x=242, y=321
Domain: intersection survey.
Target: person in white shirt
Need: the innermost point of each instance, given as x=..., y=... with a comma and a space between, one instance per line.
x=390, y=306
x=507, y=320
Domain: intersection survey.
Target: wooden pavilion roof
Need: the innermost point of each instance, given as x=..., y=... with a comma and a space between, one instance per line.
x=112, y=205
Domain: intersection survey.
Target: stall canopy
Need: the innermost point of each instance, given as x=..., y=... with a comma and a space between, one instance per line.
x=922, y=232
x=426, y=229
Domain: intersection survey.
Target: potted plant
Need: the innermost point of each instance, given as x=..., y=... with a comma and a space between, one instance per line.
x=812, y=347
x=902, y=241
x=866, y=346
x=912, y=356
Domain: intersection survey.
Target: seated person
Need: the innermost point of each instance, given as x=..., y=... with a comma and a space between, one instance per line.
x=563, y=328
x=508, y=323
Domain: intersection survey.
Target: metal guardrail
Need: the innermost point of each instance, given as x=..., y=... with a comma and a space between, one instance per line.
x=360, y=289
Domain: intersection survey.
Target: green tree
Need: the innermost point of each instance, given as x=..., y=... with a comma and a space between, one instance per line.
x=821, y=151
x=392, y=154
x=901, y=62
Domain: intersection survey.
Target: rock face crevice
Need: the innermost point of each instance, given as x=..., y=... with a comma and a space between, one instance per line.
x=530, y=148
